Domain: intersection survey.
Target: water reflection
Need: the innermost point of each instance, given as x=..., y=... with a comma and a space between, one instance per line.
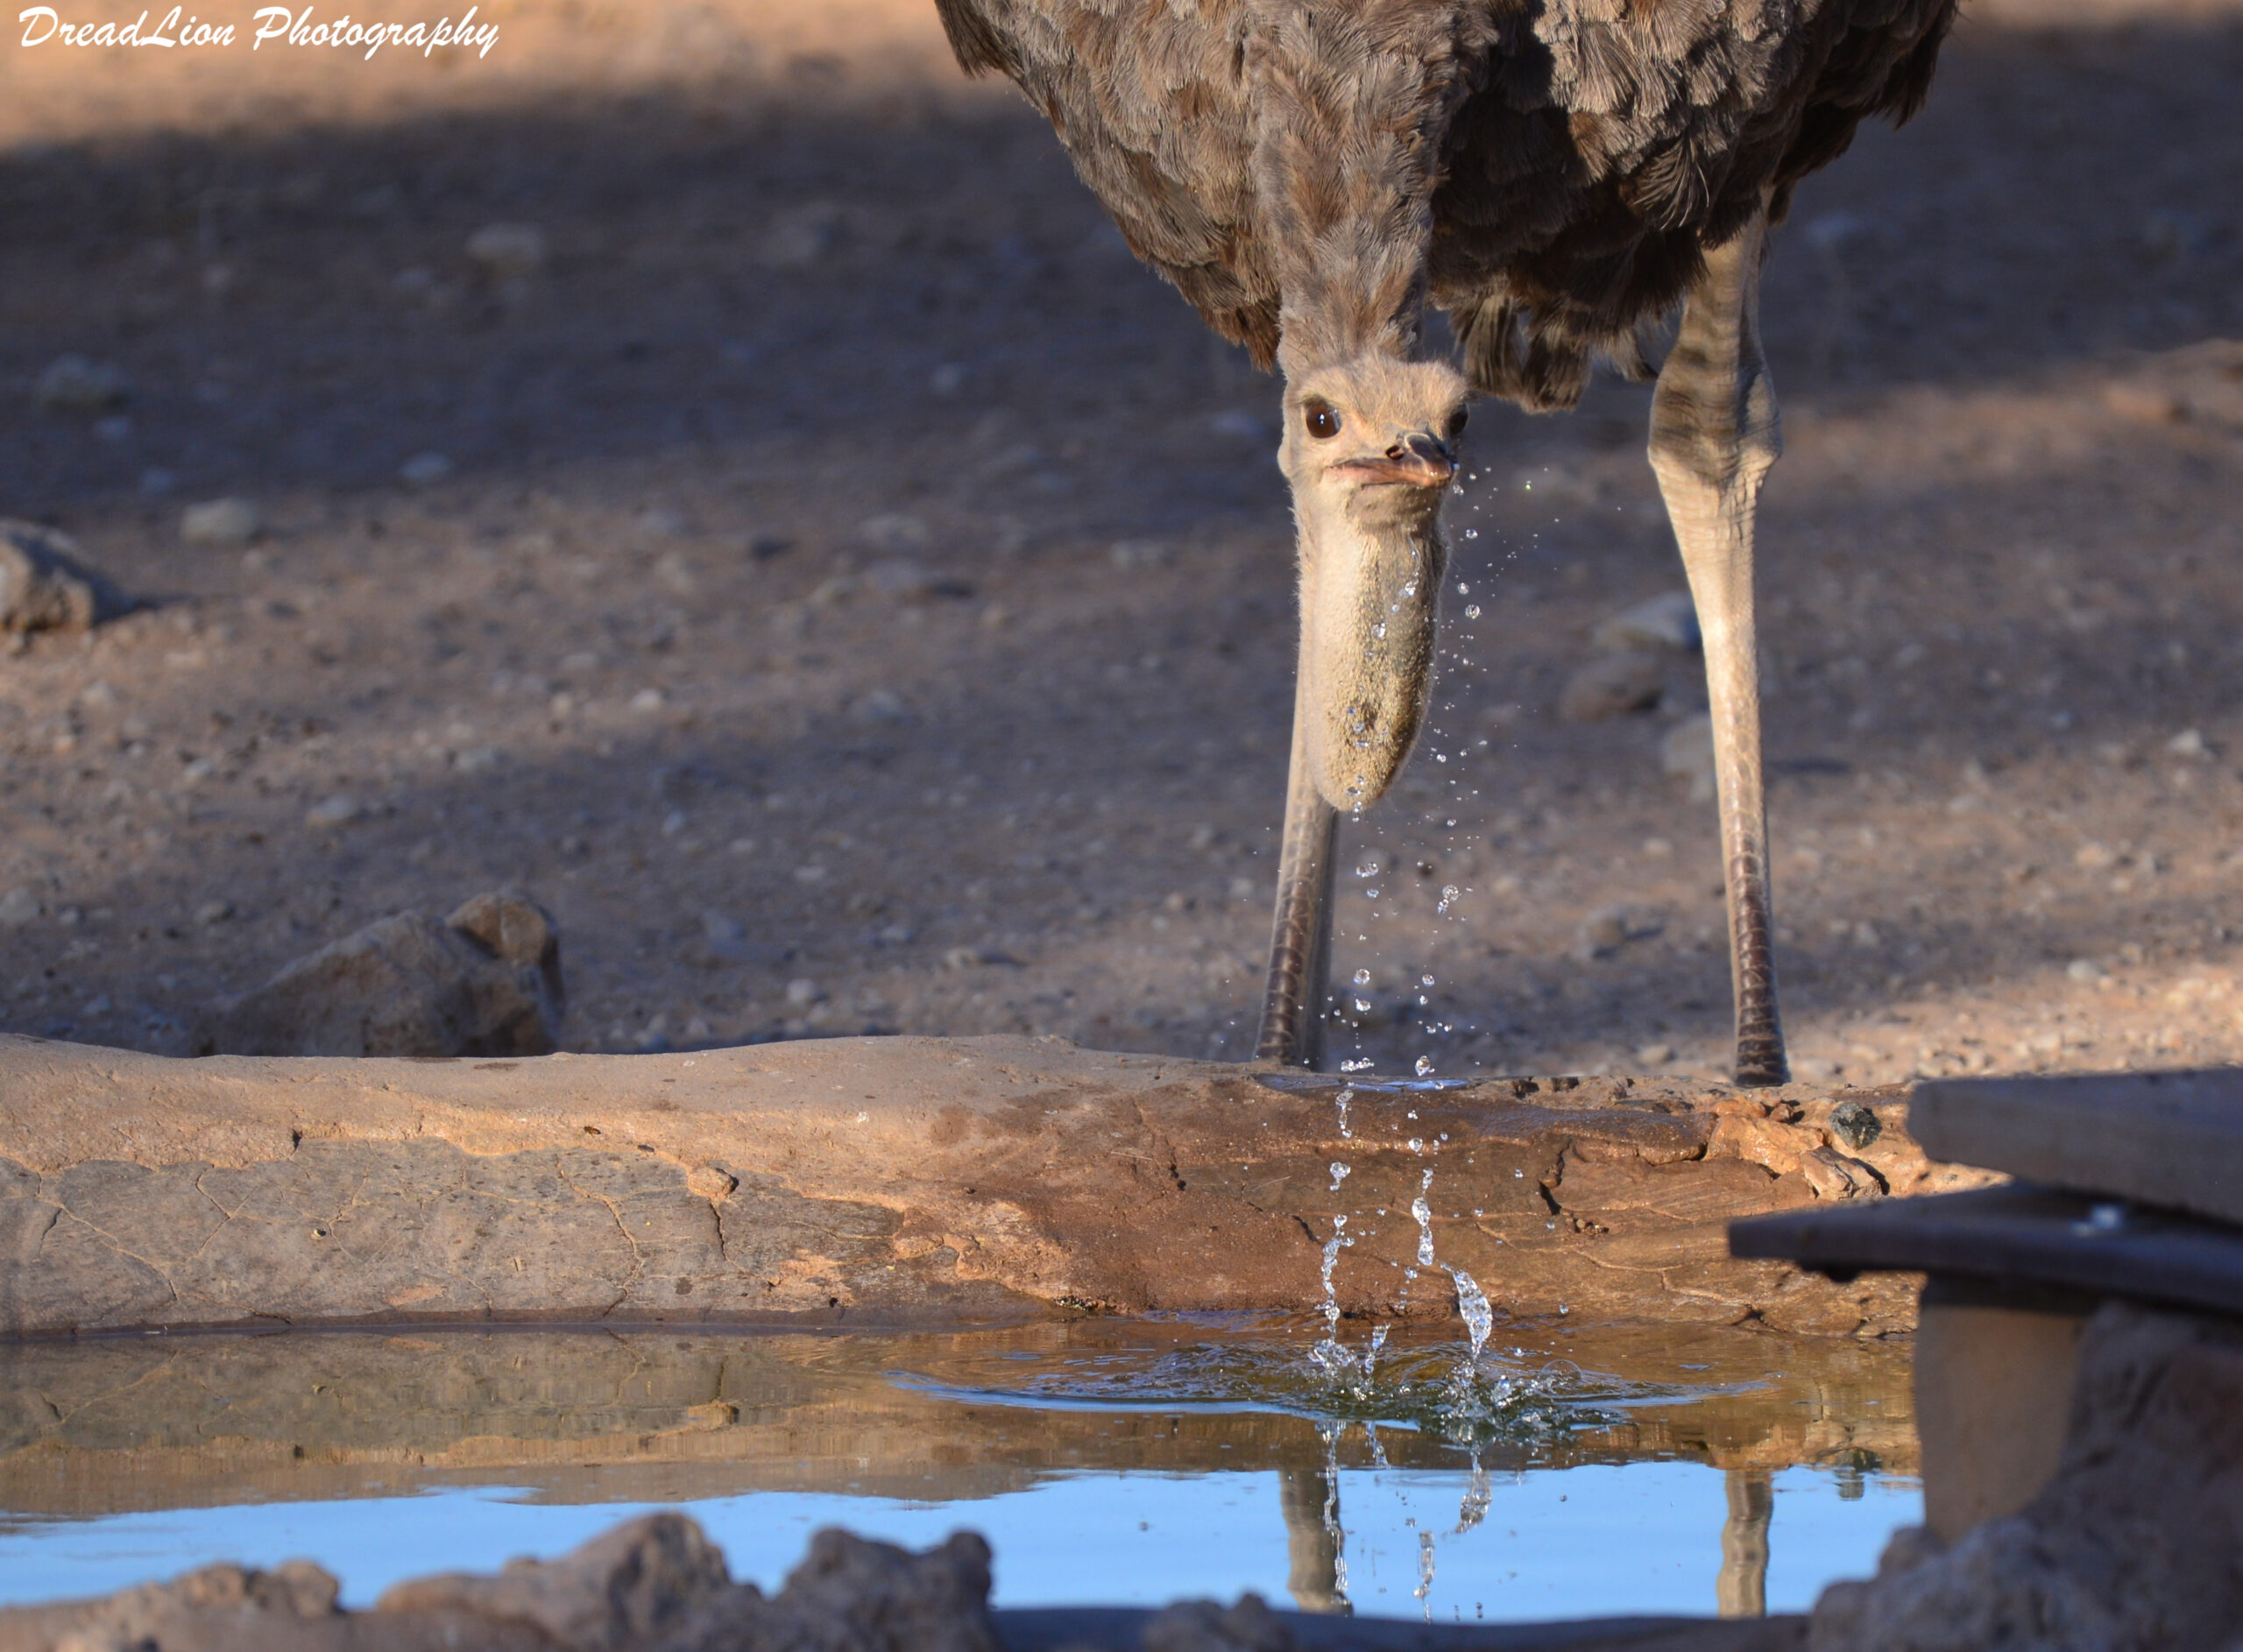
x=1083, y=1441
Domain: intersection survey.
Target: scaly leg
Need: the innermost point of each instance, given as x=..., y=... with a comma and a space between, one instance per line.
x=1300, y=939
x=1714, y=433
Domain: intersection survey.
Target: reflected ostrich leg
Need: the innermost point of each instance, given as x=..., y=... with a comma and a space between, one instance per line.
x=1309, y=1499
x=1742, y=1589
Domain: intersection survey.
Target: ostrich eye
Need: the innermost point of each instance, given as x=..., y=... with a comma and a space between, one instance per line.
x=1323, y=419
x=1457, y=421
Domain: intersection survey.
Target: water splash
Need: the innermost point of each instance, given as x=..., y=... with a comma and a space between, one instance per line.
x=1347, y=1094
x=1425, y=1574
x=1479, y=1496
x=1339, y=1173
x=1423, y=1211
x=1479, y=1315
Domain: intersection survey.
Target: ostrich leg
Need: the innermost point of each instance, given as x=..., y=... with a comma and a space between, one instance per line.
x=1301, y=938
x=1714, y=433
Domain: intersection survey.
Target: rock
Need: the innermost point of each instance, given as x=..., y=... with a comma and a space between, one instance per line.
x=724, y=941
x=2131, y=1543
x=1611, y=685
x=423, y=469
x=228, y=521
x=1201, y=1626
x=2187, y=742
x=212, y=912
x=477, y=1191
x=1608, y=928
x=2144, y=403
x=508, y=251
x=44, y=587
x=17, y=908
x=1686, y=754
x=803, y=993
x=1855, y=1124
x=1668, y=620
x=801, y=236
x=895, y=534
x=73, y=385
x=336, y=811
x=485, y=982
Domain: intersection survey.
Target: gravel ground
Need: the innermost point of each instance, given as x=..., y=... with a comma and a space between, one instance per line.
x=822, y=567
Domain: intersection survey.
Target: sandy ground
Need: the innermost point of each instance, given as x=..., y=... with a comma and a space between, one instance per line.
x=852, y=594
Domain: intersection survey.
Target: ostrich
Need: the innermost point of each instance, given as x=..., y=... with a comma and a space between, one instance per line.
x=1558, y=175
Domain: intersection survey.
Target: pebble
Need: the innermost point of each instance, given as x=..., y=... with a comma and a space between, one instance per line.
x=801, y=236
x=1141, y=553
x=947, y=379
x=17, y=908
x=75, y=384
x=1608, y=928
x=339, y=810
x=1654, y=1054
x=212, y=912
x=2095, y=858
x=649, y=699
x=2187, y=742
x=881, y=707
x=1687, y=753
x=45, y=587
x=1668, y=620
x=2086, y=969
x=508, y=251
x=422, y=469
x=894, y=533
x=228, y=521
x=1855, y=1124
x=801, y=992
x=2144, y=403
x=1613, y=685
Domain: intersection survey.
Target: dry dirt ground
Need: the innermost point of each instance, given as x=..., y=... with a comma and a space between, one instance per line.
x=852, y=594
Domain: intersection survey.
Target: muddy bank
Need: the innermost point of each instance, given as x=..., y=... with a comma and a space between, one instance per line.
x=873, y=1180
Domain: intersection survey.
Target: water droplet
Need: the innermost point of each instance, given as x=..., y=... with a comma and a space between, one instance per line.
x=1416, y=1144
x=1363, y=977
x=1472, y=610
x=1462, y=589
x=1339, y=1173
x=1425, y=1066
x=1471, y=533
x=1427, y=980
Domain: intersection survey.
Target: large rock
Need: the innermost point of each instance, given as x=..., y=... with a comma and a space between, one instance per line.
x=898, y=1180
x=486, y=981
x=45, y=587
x=2133, y=1545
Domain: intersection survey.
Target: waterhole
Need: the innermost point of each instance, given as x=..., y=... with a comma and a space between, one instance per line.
x=1570, y=1470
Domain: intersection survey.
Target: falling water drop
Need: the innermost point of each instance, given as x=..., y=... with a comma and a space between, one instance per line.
x=1339, y=1173
x=1425, y=1574
x=1347, y=1094
x=1425, y=1066
x=1471, y=611
x=1472, y=1302
x=1363, y=977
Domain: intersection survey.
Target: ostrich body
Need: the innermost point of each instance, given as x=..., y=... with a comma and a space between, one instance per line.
x=1556, y=175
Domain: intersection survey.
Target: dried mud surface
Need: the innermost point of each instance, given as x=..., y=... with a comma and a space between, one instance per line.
x=859, y=596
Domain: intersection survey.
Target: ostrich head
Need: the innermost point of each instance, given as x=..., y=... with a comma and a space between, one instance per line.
x=1369, y=448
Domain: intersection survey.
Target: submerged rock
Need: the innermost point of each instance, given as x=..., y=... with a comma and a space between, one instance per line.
x=43, y=585
x=486, y=981
x=1613, y=685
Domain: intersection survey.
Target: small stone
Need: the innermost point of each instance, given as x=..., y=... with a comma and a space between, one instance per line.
x=339, y=810
x=155, y=481
x=961, y=958
x=2086, y=969
x=801, y=992
x=422, y=469
x=212, y=912
x=649, y=699
x=1611, y=685
x=1654, y=1054
x=45, y=587
x=895, y=534
x=1141, y=553
x=1687, y=753
x=801, y=236
x=947, y=379
x=2187, y=742
x=1606, y=929
x=17, y=908
x=480, y=760
x=508, y=251
x=2095, y=858
x=882, y=706
x=228, y=521
x=900, y=579
x=75, y=384
x=1855, y=1124
x=1816, y=1068
x=2144, y=403
x=1668, y=620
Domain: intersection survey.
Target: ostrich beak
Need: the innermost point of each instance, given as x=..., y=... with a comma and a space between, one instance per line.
x=1371, y=566
x=1419, y=460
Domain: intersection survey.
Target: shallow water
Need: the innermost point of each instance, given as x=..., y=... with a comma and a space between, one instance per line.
x=1574, y=1472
